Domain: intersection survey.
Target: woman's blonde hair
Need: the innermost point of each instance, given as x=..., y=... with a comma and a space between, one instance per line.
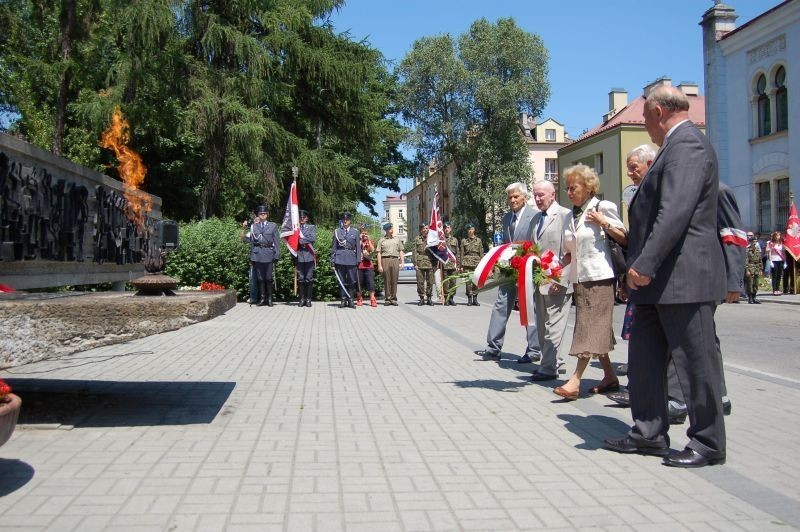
x=587, y=176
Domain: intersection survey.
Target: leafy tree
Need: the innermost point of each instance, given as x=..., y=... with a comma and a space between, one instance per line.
x=223, y=97
x=463, y=98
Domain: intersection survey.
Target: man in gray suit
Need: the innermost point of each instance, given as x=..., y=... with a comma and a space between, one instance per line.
x=516, y=228
x=552, y=300
x=264, y=253
x=676, y=278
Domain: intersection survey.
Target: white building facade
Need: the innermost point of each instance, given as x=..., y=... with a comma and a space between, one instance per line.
x=753, y=108
x=395, y=210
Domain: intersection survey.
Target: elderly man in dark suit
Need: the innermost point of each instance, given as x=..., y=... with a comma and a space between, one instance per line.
x=676, y=279
x=517, y=227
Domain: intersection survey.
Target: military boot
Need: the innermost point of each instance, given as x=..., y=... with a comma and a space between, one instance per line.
x=352, y=301
x=262, y=294
x=269, y=293
x=429, y=301
x=309, y=293
x=421, y=301
x=475, y=301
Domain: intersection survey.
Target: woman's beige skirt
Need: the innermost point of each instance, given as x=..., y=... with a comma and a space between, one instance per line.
x=594, y=308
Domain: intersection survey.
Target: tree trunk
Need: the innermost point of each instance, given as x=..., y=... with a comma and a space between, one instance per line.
x=67, y=33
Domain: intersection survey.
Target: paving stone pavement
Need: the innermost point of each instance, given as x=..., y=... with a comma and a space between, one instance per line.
x=373, y=419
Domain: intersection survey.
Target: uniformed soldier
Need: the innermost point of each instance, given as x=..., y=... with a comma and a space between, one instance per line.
x=306, y=259
x=470, y=255
x=251, y=276
x=752, y=268
x=450, y=266
x=390, y=256
x=345, y=256
x=264, y=252
x=423, y=263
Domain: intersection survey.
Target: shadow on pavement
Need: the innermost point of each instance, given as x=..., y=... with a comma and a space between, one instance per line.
x=500, y=386
x=13, y=475
x=594, y=429
x=83, y=403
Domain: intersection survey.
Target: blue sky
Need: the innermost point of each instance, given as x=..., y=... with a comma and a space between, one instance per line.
x=594, y=45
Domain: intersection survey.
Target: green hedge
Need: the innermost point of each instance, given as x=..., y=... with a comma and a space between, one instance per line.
x=211, y=250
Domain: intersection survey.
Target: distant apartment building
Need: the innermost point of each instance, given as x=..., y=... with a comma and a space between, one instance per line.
x=543, y=140
x=753, y=110
x=605, y=147
x=395, y=210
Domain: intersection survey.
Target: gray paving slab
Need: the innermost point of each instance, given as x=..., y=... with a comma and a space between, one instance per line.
x=371, y=419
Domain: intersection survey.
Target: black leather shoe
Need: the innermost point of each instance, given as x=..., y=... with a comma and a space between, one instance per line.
x=630, y=446
x=691, y=458
x=677, y=415
x=621, y=369
x=524, y=359
x=429, y=302
x=621, y=397
x=539, y=377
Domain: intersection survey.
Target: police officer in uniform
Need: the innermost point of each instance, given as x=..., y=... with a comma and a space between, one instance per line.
x=470, y=255
x=264, y=252
x=450, y=266
x=423, y=263
x=390, y=255
x=752, y=268
x=306, y=259
x=345, y=256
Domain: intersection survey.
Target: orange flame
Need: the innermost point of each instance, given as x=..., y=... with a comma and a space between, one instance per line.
x=131, y=168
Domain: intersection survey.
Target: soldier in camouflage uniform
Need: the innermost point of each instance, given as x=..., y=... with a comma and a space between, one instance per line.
x=752, y=268
x=424, y=266
x=450, y=266
x=470, y=254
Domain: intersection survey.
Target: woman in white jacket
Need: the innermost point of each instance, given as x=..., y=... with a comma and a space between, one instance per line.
x=592, y=274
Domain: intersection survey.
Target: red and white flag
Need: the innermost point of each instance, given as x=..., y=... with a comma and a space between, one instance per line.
x=436, y=240
x=791, y=242
x=290, y=228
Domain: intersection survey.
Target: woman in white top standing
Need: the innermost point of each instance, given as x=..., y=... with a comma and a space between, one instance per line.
x=592, y=274
x=777, y=258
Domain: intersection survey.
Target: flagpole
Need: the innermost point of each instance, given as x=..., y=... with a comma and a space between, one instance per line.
x=794, y=259
x=294, y=181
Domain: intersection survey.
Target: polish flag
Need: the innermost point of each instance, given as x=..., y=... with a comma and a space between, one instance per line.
x=791, y=241
x=290, y=228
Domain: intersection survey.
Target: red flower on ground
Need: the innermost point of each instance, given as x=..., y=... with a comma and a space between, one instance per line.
x=208, y=285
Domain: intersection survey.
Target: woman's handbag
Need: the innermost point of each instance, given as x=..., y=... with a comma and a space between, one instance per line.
x=618, y=260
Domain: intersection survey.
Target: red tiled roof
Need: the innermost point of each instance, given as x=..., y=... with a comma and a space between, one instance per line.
x=631, y=114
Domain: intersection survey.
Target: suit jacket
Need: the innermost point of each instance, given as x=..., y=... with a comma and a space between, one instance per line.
x=308, y=235
x=346, y=248
x=587, y=243
x=264, y=242
x=673, y=234
x=522, y=231
x=551, y=237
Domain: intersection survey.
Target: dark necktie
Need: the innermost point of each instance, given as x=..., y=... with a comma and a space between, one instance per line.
x=576, y=212
x=513, y=225
x=540, y=226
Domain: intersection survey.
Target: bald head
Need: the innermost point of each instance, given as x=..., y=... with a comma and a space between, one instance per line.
x=669, y=98
x=544, y=194
x=665, y=107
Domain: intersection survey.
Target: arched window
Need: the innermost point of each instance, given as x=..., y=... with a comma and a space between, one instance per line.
x=781, y=100
x=764, y=120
